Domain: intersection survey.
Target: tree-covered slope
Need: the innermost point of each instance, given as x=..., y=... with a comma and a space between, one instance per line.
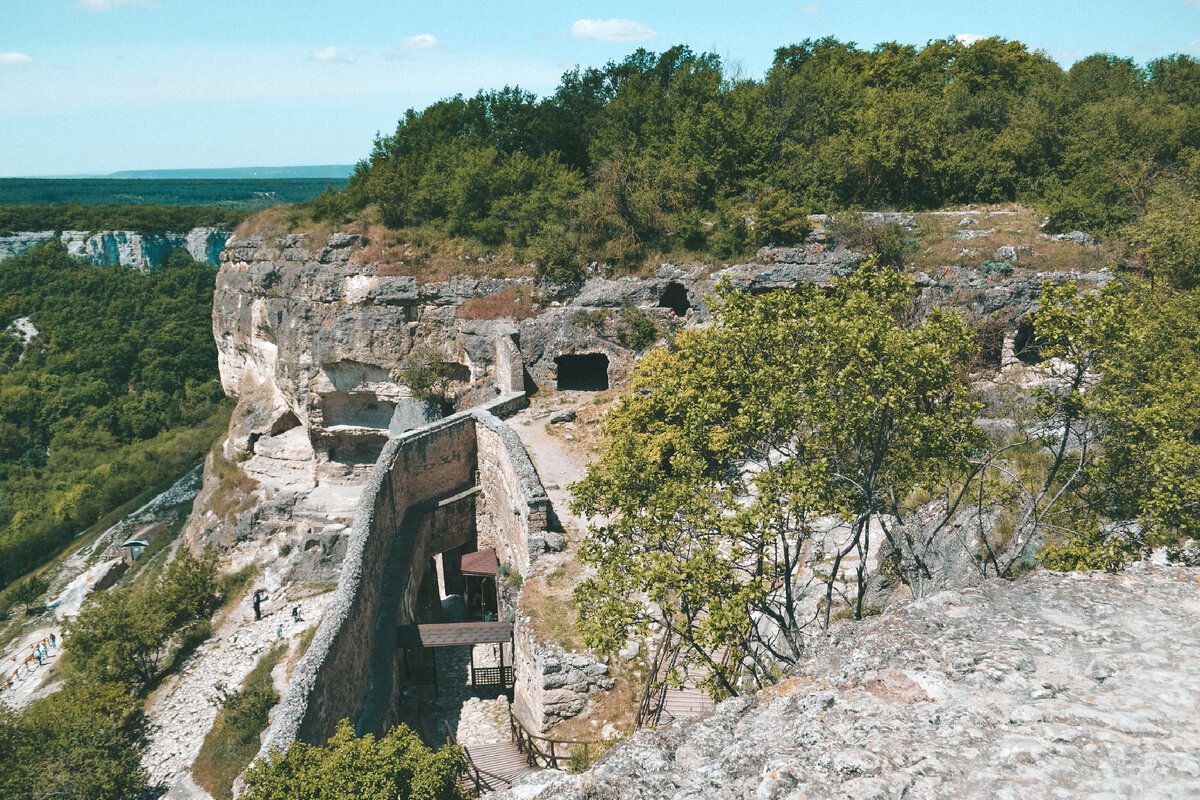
x=116, y=392
x=675, y=151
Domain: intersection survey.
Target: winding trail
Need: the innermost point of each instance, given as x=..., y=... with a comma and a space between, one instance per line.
x=182, y=710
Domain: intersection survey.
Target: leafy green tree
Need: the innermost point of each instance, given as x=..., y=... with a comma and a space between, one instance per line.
x=1167, y=236
x=734, y=441
x=29, y=590
x=1142, y=349
x=348, y=767
x=80, y=743
x=124, y=636
x=427, y=375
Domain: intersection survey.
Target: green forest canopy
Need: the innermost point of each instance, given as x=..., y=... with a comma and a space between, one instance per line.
x=140, y=218
x=116, y=393
x=243, y=193
x=671, y=151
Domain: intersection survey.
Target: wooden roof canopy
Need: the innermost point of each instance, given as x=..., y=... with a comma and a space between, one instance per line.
x=480, y=564
x=453, y=634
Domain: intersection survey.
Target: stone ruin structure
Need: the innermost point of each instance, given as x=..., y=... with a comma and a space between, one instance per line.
x=365, y=482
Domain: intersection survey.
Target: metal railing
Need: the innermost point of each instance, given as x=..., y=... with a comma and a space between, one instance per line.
x=492, y=676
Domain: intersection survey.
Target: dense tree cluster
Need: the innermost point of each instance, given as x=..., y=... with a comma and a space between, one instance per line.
x=673, y=151
x=84, y=741
x=243, y=193
x=397, y=766
x=733, y=444
x=742, y=443
x=140, y=218
x=117, y=391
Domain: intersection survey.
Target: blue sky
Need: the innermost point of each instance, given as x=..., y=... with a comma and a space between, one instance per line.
x=95, y=86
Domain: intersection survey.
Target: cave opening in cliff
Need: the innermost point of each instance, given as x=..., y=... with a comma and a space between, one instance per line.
x=1026, y=346
x=583, y=372
x=284, y=423
x=455, y=371
x=675, y=297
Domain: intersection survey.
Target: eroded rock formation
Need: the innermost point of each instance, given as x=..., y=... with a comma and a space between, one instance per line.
x=1057, y=685
x=128, y=248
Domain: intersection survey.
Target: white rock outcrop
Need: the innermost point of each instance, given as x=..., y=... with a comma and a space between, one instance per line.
x=127, y=248
x=1059, y=685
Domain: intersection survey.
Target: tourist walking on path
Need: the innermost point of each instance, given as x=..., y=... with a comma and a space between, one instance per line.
x=259, y=596
x=296, y=617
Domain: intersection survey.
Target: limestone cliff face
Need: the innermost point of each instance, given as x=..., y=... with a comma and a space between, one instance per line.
x=309, y=335
x=311, y=339
x=312, y=336
x=127, y=248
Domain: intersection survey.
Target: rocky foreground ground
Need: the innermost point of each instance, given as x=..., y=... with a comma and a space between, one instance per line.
x=1055, y=686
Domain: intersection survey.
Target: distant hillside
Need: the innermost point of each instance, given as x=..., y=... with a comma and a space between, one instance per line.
x=334, y=171
x=241, y=193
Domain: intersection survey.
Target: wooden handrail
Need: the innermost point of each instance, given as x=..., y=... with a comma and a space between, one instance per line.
x=468, y=767
x=538, y=755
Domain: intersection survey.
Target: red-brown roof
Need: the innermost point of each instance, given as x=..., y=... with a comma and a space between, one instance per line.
x=482, y=563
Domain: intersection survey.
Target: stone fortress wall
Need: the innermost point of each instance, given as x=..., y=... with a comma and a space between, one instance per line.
x=415, y=504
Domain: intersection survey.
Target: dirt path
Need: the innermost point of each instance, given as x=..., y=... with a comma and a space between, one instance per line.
x=26, y=673
x=560, y=461
x=181, y=712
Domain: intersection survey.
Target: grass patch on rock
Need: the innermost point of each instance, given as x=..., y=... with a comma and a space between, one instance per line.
x=234, y=739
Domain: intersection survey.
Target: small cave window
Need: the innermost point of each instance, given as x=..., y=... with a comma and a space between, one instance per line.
x=585, y=372
x=675, y=297
x=285, y=422
x=1026, y=346
x=456, y=371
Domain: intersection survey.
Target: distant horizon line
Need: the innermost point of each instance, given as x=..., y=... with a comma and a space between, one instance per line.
x=302, y=171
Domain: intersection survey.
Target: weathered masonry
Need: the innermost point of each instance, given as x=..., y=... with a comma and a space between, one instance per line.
x=423, y=498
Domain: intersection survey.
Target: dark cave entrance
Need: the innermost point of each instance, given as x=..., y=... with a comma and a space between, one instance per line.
x=584, y=372
x=675, y=297
x=1026, y=347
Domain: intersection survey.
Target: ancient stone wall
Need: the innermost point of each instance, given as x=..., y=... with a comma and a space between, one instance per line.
x=331, y=682
x=552, y=685
x=514, y=501
x=411, y=508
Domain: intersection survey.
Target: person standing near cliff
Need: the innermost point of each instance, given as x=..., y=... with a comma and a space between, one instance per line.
x=259, y=596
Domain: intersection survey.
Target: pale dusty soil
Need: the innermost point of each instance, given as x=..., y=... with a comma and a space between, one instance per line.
x=181, y=712
x=28, y=676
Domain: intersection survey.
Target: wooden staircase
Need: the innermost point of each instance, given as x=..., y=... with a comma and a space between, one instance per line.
x=495, y=766
x=492, y=767
x=662, y=705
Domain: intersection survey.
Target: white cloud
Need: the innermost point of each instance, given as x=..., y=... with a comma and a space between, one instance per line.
x=111, y=5
x=1195, y=3
x=612, y=30
x=811, y=8
x=15, y=58
x=422, y=41
x=330, y=54
x=1193, y=46
x=967, y=38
